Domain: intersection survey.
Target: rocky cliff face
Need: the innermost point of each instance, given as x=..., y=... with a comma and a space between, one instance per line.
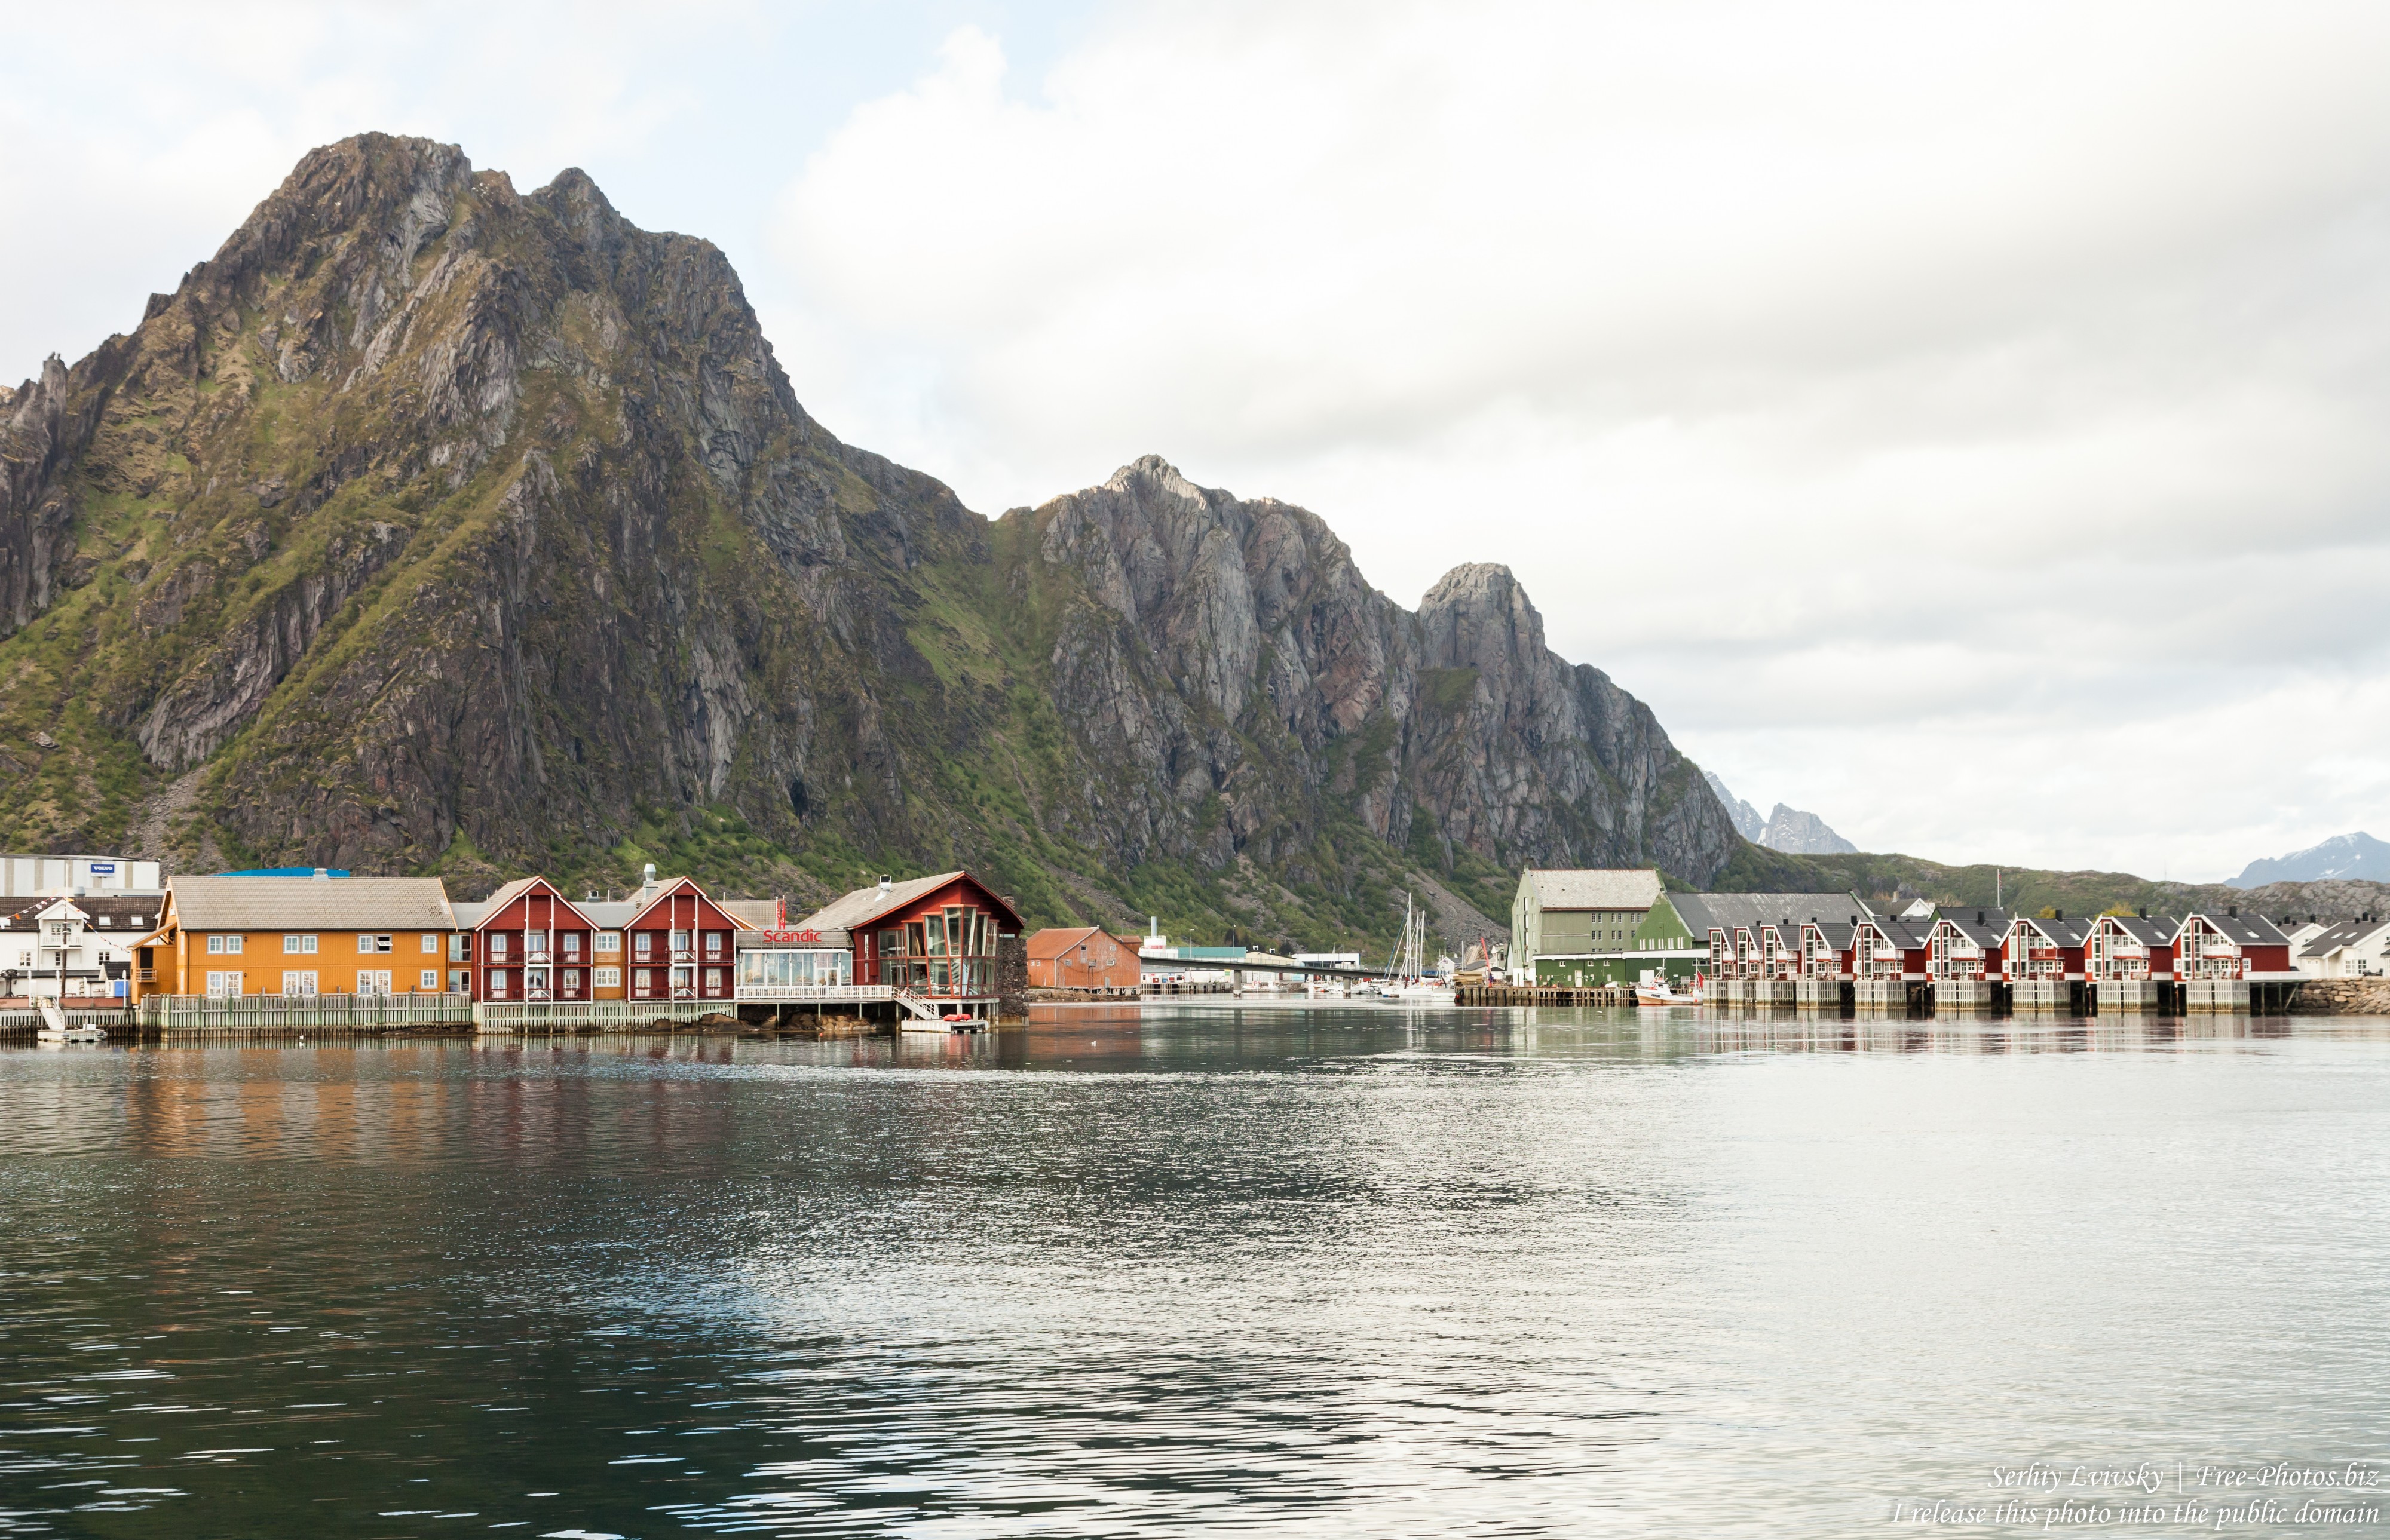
x=432, y=525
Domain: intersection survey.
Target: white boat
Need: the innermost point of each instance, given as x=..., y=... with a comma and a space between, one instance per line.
x=56, y=1029
x=1406, y=982
x=1661, y=994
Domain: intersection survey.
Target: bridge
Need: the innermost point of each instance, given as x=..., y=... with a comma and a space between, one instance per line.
x=1236, y=965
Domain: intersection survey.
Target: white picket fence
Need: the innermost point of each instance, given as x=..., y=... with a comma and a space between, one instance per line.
x=178, y=1013
x=493, y=1016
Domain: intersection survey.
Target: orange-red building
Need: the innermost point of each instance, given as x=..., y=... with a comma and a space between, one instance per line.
x=1085, y=957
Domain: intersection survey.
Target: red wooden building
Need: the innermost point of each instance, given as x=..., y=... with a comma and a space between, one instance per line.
x=2052, y=948
x=531, y=944
x=933, y=937
x=2231, y=946
x=678, y=944
x=2131, y=948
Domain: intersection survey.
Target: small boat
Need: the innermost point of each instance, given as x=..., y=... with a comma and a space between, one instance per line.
x=1662, y=995
x=54, y=1027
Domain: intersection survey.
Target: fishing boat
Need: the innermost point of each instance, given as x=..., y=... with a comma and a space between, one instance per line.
x=1662, y=995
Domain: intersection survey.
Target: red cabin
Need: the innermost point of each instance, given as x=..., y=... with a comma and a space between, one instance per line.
x=679, y=945
x=531, y=944
x=2038, y=949
x=2230, y=946
x=2131, y=947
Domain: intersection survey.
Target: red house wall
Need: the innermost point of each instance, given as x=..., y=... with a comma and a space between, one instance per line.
x=540, y=909
x=647, y=975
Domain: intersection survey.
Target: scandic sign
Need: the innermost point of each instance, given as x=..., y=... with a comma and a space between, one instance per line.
x=797, y=938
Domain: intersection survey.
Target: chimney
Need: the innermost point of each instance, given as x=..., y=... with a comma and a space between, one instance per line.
x=1979, y=917
x=2058, y=914
x=2233, y=913
x=323, y=874
x=646, y=876
x=884, y=884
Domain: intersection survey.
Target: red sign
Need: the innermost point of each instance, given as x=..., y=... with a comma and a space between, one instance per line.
x=798, y=938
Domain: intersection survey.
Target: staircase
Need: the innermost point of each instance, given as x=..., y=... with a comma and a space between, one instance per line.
x=920, y=1006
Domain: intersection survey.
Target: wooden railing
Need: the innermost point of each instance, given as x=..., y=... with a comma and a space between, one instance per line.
x=279, y=1012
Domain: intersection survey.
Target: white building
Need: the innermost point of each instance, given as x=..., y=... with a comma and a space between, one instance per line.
x=2353, y=949
x=67, y=876
x=78, y=946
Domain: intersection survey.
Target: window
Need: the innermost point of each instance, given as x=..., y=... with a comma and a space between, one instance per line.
x=497, y=984
x=569, y=943
x=296, y=986
x=680, y=942
x=610, y=941
x=497, y=946
x=714, y=980
x=641, y=941
x=716, y=943
x=572, y=984
x=374, y=981
x=430, y=944
x=223, y=985
x=297, y=946
x=428, y=980
x=606, y=978
x=372, y=944
x=459, y=981
x=228, y=946
x=643, y=981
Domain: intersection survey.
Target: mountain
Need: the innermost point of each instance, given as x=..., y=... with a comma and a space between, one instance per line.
x=2344, y=857
x=1747, y=821
x=1800, y=833
x=434, y=526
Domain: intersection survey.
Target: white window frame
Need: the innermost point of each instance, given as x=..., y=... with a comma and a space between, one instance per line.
x=374, y=981
x=299, y=983
x=610, y=941
x=430, y=944
x=296, y=946
x=428, y=980
x=372, y=946
x=605, y=978
x=224, y=985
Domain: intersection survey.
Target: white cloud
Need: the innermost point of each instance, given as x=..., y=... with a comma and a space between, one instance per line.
x=1958, y=421
x=1979, y=403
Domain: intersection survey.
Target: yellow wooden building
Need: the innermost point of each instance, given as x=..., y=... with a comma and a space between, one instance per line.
x=229, y=936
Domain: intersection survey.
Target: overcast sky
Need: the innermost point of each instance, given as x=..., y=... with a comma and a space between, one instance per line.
x=1967, y=423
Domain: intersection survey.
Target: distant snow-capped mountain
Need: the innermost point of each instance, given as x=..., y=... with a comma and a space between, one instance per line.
x=2347, y=857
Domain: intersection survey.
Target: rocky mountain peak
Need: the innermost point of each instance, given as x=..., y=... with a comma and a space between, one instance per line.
x=431, y=526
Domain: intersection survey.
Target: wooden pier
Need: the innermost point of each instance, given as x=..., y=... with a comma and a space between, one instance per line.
x=1602, y=998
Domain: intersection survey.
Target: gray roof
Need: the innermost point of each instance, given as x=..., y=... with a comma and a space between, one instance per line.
x=2065, y=932
x=1727, y=911
x=1903, y=934
x=1609, y=888
x=1985, y=915
x=1981, y=935
x=2246, y=931
x=136, y=912
x=757, y=914
x=865, y=905
x=2149, y=929
x=2348, y=932
x=312, y=903
x=468, y=916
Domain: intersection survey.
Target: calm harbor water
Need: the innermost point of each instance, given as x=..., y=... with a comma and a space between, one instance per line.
x=1295, y=1272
